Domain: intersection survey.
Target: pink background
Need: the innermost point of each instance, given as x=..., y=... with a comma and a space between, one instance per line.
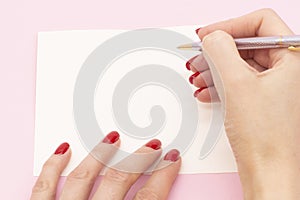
x=21, y=20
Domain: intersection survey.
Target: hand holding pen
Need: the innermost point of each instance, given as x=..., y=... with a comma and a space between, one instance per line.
x=259, y=89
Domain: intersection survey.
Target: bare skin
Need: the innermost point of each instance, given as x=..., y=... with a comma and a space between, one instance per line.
x=259, y=90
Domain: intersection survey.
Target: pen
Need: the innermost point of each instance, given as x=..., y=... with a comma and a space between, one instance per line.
x=292, y=42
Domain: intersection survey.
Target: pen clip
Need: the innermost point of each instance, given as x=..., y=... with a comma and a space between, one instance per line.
x=293, y=48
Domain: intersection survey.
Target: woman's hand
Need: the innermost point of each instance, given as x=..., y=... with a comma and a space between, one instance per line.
x=260, y=94
x=115, y=183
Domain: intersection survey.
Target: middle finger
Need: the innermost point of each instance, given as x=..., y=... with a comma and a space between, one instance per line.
x=80, y=181
x=116, y=183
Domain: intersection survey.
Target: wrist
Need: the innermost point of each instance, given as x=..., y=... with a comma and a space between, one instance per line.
x=276, y=181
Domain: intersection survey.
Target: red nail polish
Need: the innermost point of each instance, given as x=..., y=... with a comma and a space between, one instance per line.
x=197, y=30
x=154, y=144
x=188, y=63
x=198, y=91
x=191, y=79
x=172, y=155
x=188, y=66
x=62, y=148
x=111, y=138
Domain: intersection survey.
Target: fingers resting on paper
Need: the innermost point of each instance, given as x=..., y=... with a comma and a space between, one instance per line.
x=117, y=180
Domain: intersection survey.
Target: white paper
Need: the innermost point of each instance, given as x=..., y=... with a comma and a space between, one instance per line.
x=60, y=58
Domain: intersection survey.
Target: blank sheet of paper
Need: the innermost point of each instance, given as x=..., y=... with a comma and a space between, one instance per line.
x=135, y=82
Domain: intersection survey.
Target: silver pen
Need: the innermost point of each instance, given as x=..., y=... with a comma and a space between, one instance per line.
x=292, y=42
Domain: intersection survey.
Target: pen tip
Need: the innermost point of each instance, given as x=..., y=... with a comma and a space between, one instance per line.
x=185, y=46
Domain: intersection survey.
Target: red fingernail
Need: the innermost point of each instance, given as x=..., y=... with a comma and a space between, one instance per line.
x=198, y=91
x=111, y=138
x=191, y=79
x=197, y=30
x=154, y=144
x=62, y=148
x=188, y=63
x=172, y=155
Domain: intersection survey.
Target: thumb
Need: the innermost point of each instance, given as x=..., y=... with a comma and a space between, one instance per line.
x=225, y=63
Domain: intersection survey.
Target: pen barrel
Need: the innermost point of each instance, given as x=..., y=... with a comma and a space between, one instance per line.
x=267, y=42
x=257, y=43
x=291, y=40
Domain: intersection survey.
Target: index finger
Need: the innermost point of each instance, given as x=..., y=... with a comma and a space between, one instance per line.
x=45, y=186
x=264, y=22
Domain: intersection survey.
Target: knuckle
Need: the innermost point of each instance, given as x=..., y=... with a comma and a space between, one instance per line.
x=42, y=186
x=80, y=175
x=117, y=176
x=214, y=38
x=146, y=194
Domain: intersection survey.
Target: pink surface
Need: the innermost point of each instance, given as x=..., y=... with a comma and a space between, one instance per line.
x=21, y=20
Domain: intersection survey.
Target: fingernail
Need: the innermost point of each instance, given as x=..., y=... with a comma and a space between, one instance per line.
x=154, y=144
x=172, y=155
x=197, y=30
x=198, y=91
x=62, y=148
x=188, y=63
x=111, y=138
x=191, y=79
x=188, y=66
